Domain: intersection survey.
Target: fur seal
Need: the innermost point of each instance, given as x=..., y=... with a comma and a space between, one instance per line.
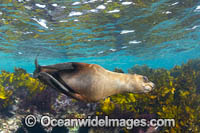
x=90, y=82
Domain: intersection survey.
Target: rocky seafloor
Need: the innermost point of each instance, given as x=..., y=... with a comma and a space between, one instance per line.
x=22, y=95
x=177, y=96
x=12, y=118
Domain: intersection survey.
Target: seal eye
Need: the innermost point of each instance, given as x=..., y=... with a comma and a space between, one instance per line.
x=145, y=79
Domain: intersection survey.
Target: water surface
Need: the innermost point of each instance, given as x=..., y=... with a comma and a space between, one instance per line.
x=159, y=33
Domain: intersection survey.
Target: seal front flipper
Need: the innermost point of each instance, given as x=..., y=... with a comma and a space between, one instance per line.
x=53, y=82
x=51, y=76
x=56, y=84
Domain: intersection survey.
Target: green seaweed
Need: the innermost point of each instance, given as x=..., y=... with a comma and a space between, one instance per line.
x=15, y=84
x=176, y=97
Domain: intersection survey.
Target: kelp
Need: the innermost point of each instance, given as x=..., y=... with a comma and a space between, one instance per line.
x=17, y=85
x=20, y=90
x=177, y=96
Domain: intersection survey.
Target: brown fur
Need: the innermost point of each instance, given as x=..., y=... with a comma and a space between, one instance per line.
x=91, y=82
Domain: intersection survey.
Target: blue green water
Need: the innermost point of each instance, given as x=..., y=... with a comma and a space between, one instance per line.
x=160, y=34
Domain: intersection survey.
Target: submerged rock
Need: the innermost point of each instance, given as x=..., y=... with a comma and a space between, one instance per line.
x=177, y=93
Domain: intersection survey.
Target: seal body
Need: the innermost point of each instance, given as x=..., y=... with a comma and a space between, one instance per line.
x=90, y=82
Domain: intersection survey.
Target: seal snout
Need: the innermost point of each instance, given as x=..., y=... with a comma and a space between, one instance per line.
x=149, y=87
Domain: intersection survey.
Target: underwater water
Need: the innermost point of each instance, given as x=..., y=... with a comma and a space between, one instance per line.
x=158, y=33
x=131, y=36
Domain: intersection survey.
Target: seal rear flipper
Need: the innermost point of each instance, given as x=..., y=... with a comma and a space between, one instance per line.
x=60, y=87
x=60, y=67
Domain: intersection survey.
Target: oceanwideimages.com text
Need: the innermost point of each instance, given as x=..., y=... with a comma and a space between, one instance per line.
x=47, y=121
